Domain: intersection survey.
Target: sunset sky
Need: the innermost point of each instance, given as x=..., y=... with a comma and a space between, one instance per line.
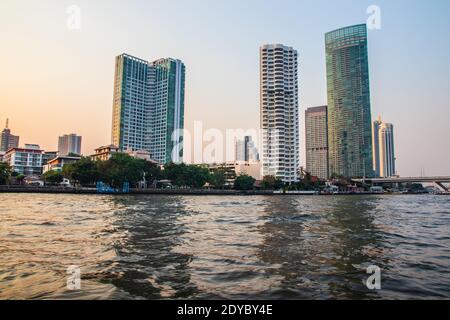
x=56, y=81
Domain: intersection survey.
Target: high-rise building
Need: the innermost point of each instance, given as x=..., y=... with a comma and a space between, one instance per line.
x=134, y=80
x=279, y=112
x=69, y=143
x=246, y=150
x=148, y=110
x=168, y=111
x=349, y=118
x=8, y=140
x=316, y=136
x=383, y=149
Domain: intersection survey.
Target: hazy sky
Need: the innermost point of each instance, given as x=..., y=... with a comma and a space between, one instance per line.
x=54, y=80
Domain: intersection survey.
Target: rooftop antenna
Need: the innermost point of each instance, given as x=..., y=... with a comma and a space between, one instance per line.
x=7, y=123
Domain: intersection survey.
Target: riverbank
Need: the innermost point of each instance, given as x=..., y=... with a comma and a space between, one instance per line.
x=193, y=192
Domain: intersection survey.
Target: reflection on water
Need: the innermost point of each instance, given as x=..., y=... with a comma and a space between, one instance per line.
x=153, y=247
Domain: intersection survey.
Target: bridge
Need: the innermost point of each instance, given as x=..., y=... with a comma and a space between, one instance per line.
x=439, y=181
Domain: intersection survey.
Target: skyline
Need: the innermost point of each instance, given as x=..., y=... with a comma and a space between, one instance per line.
x=415, y=102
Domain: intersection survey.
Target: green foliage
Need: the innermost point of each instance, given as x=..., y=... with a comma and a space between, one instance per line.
x=5, y=173
x=85, y=171
x=305, y=184
x=152, y=171
x=217, y=178
x=271, y=183
x=71, y=154
x=244, y=182
x=53, y=177
x=183, y=175
x=121, y=168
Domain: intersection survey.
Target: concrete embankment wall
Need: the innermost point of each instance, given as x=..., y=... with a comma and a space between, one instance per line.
x=55, y=190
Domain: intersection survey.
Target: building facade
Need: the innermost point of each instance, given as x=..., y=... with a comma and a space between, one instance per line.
x=69, y=143
x=279, y=112
x=104, y=153
x=58, y=163
x=232, y=170
x=349, y=115
x=7, y=140
x=168, y=111
x=316, y=136
x=148, y=107
x=26, y=161
x=245, y=150
x=383, y=149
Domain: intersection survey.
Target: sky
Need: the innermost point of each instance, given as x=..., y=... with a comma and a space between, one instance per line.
x=56, y=80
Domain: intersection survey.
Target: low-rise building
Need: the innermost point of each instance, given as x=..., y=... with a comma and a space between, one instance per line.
x=141, y=154
x=26, y=161
x=228, y=170
x=104, y=153
x=58, y=163
x=48, y=155
x=233, y=169
x=252, y=169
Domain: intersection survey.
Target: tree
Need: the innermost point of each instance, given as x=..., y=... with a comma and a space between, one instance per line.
x=85, y=171
x=183, y=175
x=197, y=176
x=244, y=182
x=53, y=177
x=152, y=171
x=72, y=154
x=121, y=168
x=5, y=173
x=176, y=173
x=217, y=178
x=271, y=183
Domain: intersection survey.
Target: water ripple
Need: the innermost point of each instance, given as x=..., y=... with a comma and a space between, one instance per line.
x=160, y=247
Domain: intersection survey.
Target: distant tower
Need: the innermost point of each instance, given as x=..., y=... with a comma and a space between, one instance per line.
x=246, y=150
x=316, y=136
x=69, y=143
x=383, y=149
x=8, y=140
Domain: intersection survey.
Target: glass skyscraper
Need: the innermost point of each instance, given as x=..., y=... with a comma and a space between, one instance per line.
x=349, y=117
x=148, y=108
x=167, y=119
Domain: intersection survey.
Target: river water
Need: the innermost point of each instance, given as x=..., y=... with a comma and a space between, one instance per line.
x=221, y=247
